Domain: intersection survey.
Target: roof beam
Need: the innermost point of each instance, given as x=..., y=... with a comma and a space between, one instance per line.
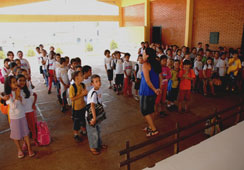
x=7, y=3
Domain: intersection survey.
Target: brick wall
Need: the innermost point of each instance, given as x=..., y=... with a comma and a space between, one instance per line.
x=223, y=16
x=171, y=16
x=133, y=15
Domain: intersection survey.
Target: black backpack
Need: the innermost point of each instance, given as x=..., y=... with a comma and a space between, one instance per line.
x=136, y=71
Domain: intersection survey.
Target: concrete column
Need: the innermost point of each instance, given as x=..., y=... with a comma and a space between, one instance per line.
x=189, y=23
x=147, y=20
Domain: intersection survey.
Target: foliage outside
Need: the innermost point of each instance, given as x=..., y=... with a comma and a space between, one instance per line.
x=2, y=55
x=113, y=45
x=89, y=47
x=58, y=50
x=31, y=53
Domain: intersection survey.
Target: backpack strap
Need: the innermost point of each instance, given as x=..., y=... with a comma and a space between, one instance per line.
x=97, y=96
x=75, y=88
x=137, y=68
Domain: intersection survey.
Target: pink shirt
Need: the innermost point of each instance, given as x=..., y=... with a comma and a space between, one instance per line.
x=166, y=74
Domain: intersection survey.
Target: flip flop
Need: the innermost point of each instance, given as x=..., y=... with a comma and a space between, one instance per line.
x=152, y=133
x=21, y=155
x=32, y=155
x=95, y=152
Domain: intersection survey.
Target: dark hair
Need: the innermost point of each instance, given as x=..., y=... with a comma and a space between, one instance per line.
x=156, y=66
x=86, y=69
x=73, y=60
x=199, y=43
x=201, y=49
x=62, y=60
x=15, y=69
x=25, y=88
x=163, y=57
x=78, y=66
x=78, y=60
x=176, y=61
x=160, y=49
x=40, y=45
x=58, y=54
x=7, y=85
x=187, y=62
x=6, y=60
x=106, y=51
x=10, y=52
x=66, y=58
x=207, y=45
x=235, y=52
x=194, y=48
x=12, y=65
x=221, y=54
x=127, y=54
x=142, y=42
x=94, y=76
x=187, y=53
x=52, y=54
x=75, y=74
x=209, y=58
x=116, y=52
x=22, y=70
x=19, y=52
x=38, y=48
x=17, y=60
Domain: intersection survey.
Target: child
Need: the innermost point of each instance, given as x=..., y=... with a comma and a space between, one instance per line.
x=10, y=55
x=62, y=77
x=170, y=63
x=173, y=93
x=17, y=61
x=12, y=67
x=166, y=75
x=137, y=74
x=108, y=67
x=51, y=70
x=67, y=61
x=222, y=66
x=178, y=55
x=72, y=68
x=57, y=67
x=232, y=72
x=78, y=61
x=186, y=75
x=24, y=63
x=93, y=132
x=29, y=105
x=87, y=72
x=18, y=123
x=127, y=67
x=169, y=53
x=160, y=52
x=119, y=72
x=44, y=59
x=6, y=68
x=76, y=94
x=207, y=74
x=198, y=65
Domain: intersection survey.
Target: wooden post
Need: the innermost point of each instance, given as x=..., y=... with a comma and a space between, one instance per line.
x=177, y=136
x=128, y=154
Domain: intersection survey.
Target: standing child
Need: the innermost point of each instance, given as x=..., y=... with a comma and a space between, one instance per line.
x=207, y=74
x=18, y=123
x=51, y=70
x=76, y=94
x=87, y=72
x=57, y=67
x=166, y=75
x=6, y=68
x=93, y=128
x=186, y=75
x=222, y=66
x=173, y=93
x=119, y=72
x=44, y=59
x=198, y=66
x=72, y=68
x=62, y=76
x=108, y=67
x=137, y=74
x=127, y=67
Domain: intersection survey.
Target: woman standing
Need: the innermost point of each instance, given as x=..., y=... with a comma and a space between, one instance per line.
x=149, y=89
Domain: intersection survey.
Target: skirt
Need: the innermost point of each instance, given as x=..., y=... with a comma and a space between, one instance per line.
x=19, y=128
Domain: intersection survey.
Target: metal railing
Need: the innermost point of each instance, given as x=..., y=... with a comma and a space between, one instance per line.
x=177, y=134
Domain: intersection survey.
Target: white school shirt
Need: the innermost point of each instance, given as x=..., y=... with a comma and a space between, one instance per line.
x=44, y=66
x=63, y=74
x=197, y=65
x=57, y=67
x=138, y=75
x=222, y=65
x=119, y=67
x=208, y=67
x=87, y=82
x=30, y=100
x=16, y=107
x=51, y=64
x=177, y=57
x=25, y=64
x=108, y=62
x=5, y=72
x=127, y=67
x=94, y=97
x=215, y=64
x=70, y=72
x=39, y=58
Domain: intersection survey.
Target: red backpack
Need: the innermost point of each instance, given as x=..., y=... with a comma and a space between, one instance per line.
x=43, y=135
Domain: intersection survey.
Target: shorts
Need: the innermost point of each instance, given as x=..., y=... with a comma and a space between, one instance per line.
x=119, y=79
x=41, y=70
x=162, y=96
x=110, y=75
x=79, y=118
x=184, y=95
x=147, y=104
x=173, y=94
x=137, y=84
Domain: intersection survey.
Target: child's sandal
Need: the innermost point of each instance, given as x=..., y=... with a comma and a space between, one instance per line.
x=94, y=151
x=152, y=133
x=21, y=155
x=147, y=129
x=32, y=154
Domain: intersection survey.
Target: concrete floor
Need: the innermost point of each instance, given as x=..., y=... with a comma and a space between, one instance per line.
x=124, y=123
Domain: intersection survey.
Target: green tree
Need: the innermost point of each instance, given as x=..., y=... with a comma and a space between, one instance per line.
x=31, y=53
x=89, y=47
x=113, y=45
x=58, y=50
x=2, y=55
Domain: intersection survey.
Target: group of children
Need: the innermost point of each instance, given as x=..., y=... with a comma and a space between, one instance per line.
x=184, y=71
